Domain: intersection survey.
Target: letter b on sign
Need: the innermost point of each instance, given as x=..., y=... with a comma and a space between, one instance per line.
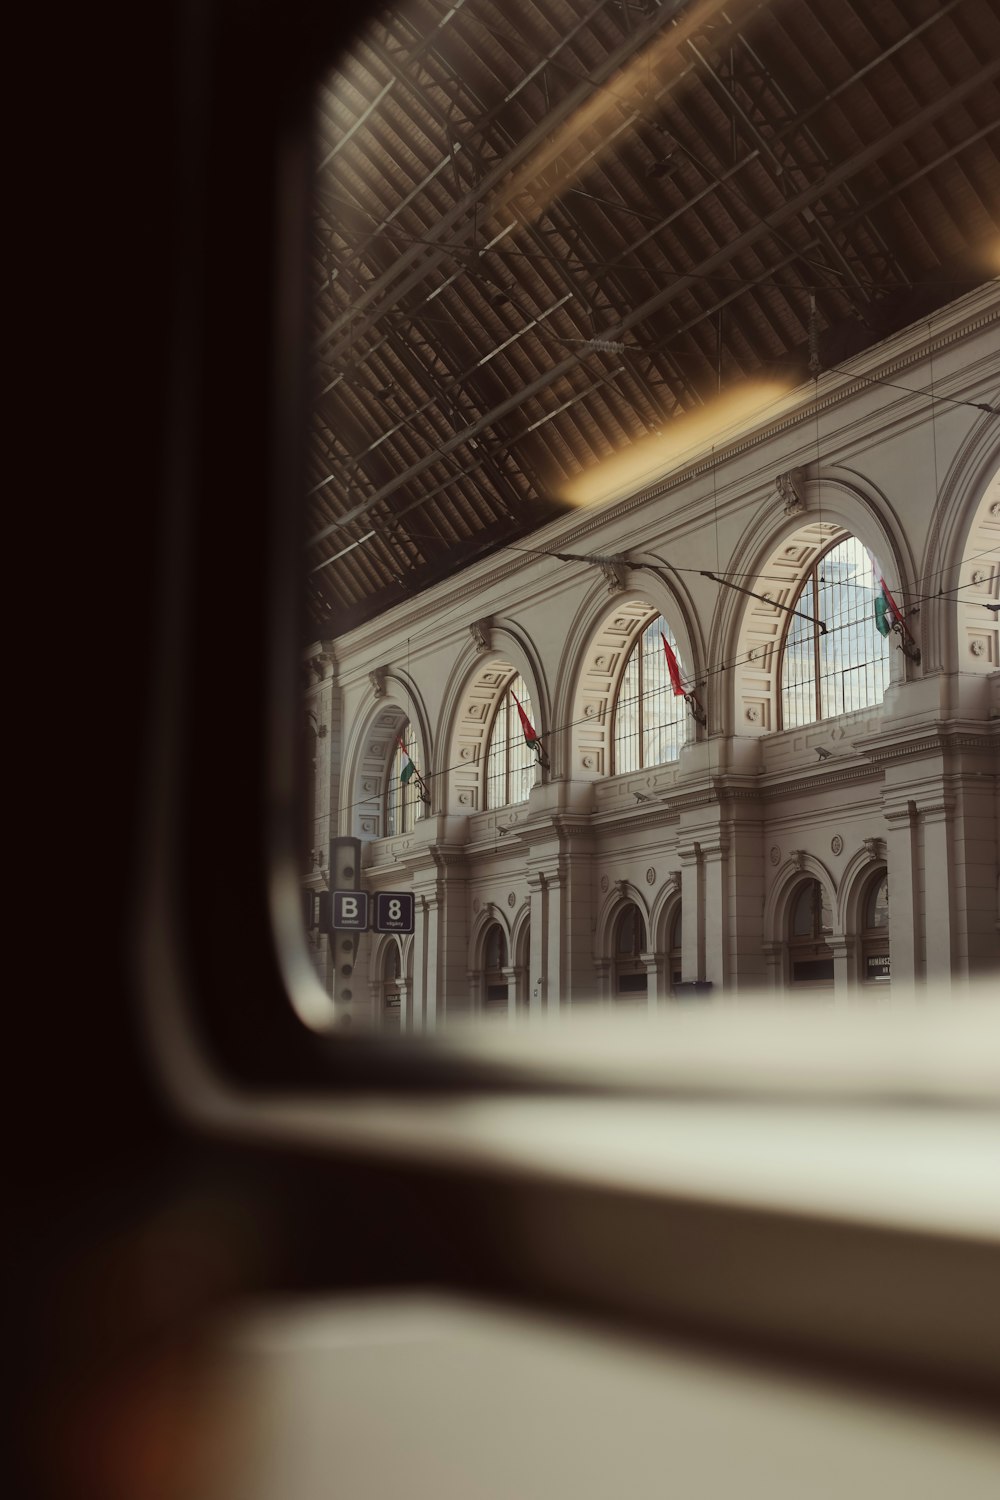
x=350, y=910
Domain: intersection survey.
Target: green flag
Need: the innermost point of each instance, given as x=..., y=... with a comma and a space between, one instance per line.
x=883, y=615
x=408, y=770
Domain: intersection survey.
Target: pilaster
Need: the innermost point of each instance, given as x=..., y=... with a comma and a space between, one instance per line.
x=692, y=912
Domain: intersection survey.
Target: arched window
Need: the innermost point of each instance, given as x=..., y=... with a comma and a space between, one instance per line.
x=391, y=988
x=495, y=992
x=510, y=762
x=845, y=667
x=810, y=957
x=402, y=792
x=630, y=980
x=875, y=931
x=650, y=722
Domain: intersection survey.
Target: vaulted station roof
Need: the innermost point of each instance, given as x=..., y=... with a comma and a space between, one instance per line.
x=545, y=230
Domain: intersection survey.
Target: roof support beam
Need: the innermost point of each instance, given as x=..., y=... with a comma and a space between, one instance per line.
x=792, y=207
x=520, y=153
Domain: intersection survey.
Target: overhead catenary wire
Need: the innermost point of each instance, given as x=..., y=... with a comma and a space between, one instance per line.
x=597, y=558
x=695, y=681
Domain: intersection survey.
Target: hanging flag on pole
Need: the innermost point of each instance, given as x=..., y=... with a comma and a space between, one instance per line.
x=889, y=616
x=673, y=668
x=531, y=738
x=883, y=614
x=675, y=682
x=409, y=771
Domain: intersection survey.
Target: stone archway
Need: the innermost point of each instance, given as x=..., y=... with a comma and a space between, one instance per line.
x=602, y=665
x=478, y=704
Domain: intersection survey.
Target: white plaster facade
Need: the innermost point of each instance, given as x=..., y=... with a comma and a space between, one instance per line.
x=727, y=833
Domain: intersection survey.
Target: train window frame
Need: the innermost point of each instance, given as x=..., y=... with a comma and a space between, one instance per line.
x=231, y=1053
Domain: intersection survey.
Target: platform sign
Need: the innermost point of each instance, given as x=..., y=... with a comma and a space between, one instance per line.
x=350, y=911
x=393, y=911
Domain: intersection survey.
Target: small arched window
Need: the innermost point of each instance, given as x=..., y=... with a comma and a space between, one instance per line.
x=810, y=957
x=846, y=666
x=650, y=723
x=875, y=931
x=495, y=991
x=510, y=761
x=630, y=980
x=402, y=792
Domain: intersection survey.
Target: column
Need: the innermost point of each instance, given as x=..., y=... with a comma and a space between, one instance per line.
x=774, y=966
x=405, y=1005
x=939, y=876
x=537, y=977
x=839, y=947
x=715, y=865
x=656, y=991
x=902, y=862
x=441, y=956
x=692, y=913
x=560, y=855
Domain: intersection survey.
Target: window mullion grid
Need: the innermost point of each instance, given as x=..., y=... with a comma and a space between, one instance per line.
x=817, y=654
x=641, y=688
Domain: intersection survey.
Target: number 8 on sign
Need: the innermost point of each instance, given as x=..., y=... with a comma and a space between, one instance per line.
x=394, y=911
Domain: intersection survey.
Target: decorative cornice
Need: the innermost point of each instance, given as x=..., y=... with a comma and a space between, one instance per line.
x=939, y=738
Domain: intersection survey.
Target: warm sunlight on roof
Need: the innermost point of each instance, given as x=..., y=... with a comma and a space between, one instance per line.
x=588, y=132
x=682, y=437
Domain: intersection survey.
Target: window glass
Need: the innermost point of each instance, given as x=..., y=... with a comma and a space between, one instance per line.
x=650, y=723
x=391, y=989
x=510, y=760
x=630, y=942
x=402, y=795
x=846, y=666
x=877, y=910
x=810, y=956
x=495, y=991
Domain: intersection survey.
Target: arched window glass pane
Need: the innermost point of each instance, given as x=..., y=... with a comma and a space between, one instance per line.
x=631, y=932
x=803, y=912
x=650, y=722
x=496, y=948
x=877, y=911
x=390, y=966
x=402, y=798
x=810, y=957
x=812, y=916
x=798, y=664
x=845, y=668
x=510, y=761
x=630, y=979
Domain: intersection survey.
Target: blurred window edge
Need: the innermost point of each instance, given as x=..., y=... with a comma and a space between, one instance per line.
x=224, y=1037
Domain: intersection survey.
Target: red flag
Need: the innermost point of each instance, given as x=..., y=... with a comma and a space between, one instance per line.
x=530, y=736
x=673, y=668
